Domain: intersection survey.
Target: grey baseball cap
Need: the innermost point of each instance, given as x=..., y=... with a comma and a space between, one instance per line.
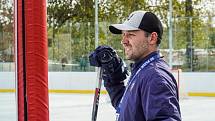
x=139, y=20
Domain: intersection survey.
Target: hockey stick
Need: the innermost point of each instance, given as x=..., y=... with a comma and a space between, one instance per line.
x=97, y=94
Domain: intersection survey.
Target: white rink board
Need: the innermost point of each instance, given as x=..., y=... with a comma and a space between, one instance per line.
x=7, y=80
x=192, y=81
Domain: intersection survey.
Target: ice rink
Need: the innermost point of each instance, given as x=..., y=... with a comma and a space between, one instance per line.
x=78, y=107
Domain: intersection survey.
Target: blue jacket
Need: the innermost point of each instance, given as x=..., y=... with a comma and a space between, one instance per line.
x=152, y=97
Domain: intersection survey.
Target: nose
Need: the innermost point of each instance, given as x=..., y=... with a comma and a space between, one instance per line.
x=125, y=39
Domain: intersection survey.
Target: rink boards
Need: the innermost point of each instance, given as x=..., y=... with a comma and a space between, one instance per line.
x=193, y=83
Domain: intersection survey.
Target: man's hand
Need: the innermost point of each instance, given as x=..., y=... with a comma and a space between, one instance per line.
x=105, y=57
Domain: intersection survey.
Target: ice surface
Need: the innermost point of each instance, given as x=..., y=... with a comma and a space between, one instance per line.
x=78, y=107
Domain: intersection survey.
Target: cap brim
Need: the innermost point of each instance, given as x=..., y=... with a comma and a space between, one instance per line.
x=118, y=28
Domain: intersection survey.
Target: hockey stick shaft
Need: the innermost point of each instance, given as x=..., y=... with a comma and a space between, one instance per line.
x=97, y=94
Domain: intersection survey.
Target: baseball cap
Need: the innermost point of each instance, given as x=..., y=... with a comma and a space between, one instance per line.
x=139, y=20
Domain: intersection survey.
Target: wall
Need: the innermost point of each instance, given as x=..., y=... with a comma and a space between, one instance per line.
x=198, y=83
x=7, y=80
x=195, y=83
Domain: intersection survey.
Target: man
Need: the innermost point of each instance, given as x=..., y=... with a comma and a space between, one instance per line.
x=151, y=93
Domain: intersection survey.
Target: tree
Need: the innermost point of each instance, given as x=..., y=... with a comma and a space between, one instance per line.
x=81, y=13
x=6, y=29
x=6, y=22
x=59, y=11
x=212, y=39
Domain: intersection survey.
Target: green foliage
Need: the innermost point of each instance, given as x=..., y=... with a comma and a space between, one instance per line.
x=212, y=40
x=76, y=20
x=6, y=31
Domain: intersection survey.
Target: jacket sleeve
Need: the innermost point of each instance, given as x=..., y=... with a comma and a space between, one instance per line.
x=160, y=99
x=115, y=92
x=114, y=84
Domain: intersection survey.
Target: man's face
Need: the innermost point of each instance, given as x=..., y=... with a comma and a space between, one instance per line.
x=136, y=44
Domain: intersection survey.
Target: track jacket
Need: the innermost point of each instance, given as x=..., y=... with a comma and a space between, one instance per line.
x=153, y=95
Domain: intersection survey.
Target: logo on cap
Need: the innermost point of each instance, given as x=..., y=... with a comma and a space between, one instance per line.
x=130, y=17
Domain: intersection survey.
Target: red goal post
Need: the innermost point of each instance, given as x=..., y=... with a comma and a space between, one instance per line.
x=31, y=48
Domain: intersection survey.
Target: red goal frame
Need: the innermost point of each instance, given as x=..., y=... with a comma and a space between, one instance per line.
x=30, y=35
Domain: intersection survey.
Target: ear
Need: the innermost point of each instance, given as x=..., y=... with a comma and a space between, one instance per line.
x=153, y=38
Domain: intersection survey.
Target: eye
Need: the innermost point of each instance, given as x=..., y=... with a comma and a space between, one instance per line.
x=128, y=34
x=123, y=34
x=132, y=34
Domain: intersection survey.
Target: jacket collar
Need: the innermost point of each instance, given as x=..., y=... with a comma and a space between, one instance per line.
x=136, y=65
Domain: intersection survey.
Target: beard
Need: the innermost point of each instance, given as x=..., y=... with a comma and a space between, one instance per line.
x=136, y=53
